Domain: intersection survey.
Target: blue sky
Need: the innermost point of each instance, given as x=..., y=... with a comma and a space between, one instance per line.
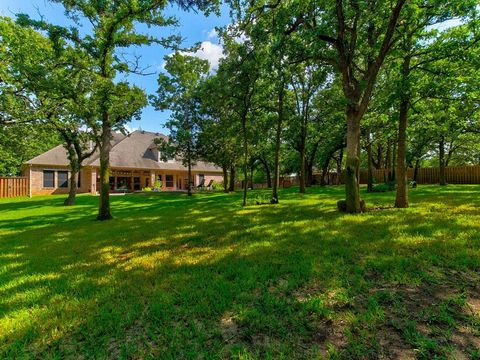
x=193, y=27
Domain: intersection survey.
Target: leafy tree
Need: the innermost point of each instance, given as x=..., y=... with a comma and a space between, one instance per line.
x=177, y=92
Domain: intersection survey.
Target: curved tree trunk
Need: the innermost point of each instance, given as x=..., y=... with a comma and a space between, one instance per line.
x=415, y=170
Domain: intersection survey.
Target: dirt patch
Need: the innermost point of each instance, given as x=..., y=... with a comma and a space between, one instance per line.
x=229, y=328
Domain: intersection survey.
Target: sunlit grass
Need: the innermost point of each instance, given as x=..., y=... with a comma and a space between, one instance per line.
x=178, y=277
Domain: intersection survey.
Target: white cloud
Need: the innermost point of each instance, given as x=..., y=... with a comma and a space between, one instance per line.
x=212, y=34
x=211, y=52
x=130, y=129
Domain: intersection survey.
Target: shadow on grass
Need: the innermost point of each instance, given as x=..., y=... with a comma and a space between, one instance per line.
x=181, y=277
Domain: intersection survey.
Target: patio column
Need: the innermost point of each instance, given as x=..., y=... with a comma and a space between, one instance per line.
x=93, y=182
x=152, y=179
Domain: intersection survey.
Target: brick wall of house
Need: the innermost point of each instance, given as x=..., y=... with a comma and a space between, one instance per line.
x=209, y=176
x=36, y=179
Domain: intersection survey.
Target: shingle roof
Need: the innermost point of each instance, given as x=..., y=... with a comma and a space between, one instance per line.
x=58, y=155
x=132, y=151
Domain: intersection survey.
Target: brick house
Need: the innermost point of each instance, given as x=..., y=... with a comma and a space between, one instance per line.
x=135, y=163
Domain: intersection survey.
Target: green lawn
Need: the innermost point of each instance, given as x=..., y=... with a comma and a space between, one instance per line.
x=173, y=277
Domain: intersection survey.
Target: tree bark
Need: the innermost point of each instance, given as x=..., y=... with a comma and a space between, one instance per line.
x=303, y=167
x=278, y=135
x=74, y=171
x=189, y=182
x=324, y=172
x=339, y=166
x=245, y=158
x=225, y=178
x=352, y=163
x=401, y=197
x=233, y=171
x=415, y=170
x=105, y=147
x=441, y=158
x=370, y=163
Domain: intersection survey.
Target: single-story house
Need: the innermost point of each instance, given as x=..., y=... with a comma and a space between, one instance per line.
x=135, y=163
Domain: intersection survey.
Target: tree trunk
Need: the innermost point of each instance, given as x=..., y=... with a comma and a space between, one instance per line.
x=189, y=182
x=105, y=146
x=278, y=135
x=267, y=172
x=233, y=171
x=441, y=158
x=303, y=168
x=252, y=168
x=352, y=163
x=401, y=198
x=370, y=163
x=225, y=178
x=388, y=162
x=415, y=170
x=324, y=172
x=339, y=167
x=245, y=158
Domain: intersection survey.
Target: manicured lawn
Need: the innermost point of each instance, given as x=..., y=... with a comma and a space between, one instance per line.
x=175, y=277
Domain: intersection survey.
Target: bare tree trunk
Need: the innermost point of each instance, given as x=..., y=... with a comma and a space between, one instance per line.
x=339, y=167
x=233, y=171
x=278, y=135
x=352, y=163
x=324, y=172
x=415, y=170
x=303, y=168
x=189, y=182
x=401, y=198
x=441, y=158
x=225, y=178
x=245, y=158
x=72, y=192
x=370, y=163
x=105, y=147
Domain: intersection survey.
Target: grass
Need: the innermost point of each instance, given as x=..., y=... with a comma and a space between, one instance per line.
x=173, y=277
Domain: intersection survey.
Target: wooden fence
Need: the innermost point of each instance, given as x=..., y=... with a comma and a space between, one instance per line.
x=13, y=187
x=453, y=175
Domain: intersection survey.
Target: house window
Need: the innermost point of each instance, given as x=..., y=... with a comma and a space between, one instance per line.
x=169, y=180
x=62, y=179
x=48, y=178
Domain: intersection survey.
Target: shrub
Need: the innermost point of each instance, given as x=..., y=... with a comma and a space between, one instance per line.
x=217, y=185
x=147, y=189
x=158, y=184
x=388, y=186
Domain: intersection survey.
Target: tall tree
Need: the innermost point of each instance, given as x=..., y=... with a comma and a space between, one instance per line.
x=178, y=92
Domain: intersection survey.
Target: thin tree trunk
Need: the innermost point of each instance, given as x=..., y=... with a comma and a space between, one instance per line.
x=415, y=170
x=225, y=178
x=401, y=198
x=388, y=161
x=232, y=178
x=252, y=168
x=339, y=166
x=303, y=168
x=105, y=147
x=441, y=158
x=352, y=163
x=370, y=163
x=189, y=182
x=324, y=172
x=267, y=172
x=245, y=158
x=278, y=134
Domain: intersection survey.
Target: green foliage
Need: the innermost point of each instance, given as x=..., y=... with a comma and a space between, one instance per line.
x=388, y=186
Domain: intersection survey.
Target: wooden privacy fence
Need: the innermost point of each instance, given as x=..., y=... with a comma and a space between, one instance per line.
x=453, y=175
x=13, y=187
